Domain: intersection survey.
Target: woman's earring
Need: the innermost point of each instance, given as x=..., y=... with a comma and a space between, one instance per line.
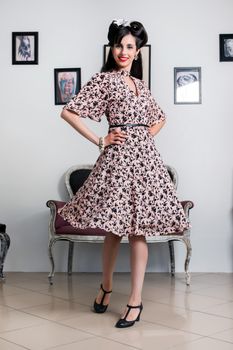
x=135, y=58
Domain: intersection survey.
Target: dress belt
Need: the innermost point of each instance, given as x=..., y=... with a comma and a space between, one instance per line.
x=127, y=125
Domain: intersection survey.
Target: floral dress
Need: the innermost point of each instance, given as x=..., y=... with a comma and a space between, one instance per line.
x=129, y=191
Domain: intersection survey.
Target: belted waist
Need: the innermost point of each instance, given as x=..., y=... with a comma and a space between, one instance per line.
x=127, y=125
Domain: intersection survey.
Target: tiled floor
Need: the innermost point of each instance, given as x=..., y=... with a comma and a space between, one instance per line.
x=34, y=315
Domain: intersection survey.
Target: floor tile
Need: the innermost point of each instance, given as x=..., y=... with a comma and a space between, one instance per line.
x=149, y=336
x=156, y=293
x=226, y=336
x=155, y=312
x=175, y=284
x=96, y=344
x=164, y=279
x=97, y=324
x=91, y=279
x=72, y=291
x=5, y=345
x=32, y=285
x=224, y=292
x=214, y=278
x=205, y=344
x=224, y=310
x=13, y=320
x=57, y=310
x=4, y=309
x=45, y=336
x=13, y=277
x=189, y=301
x=198, y=322
x=7, y=289
x=27, y=299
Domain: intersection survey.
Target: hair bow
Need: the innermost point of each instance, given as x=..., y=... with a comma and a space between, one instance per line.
x=121, y=22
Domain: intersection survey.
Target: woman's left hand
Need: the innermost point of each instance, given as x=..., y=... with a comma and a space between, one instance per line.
x=154, y=129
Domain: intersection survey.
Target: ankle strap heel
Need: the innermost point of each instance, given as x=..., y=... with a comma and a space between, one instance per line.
x=105, y=292
x=101, y=308
x=123, y=323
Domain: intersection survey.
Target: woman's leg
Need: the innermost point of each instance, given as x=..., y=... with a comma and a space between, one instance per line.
x=110, y=250
x=138, y=262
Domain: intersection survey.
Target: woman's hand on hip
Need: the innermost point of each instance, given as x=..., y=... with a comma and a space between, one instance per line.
x=115, y=137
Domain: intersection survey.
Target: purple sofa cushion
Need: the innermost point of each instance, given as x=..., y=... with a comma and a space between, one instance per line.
x=70, y=230
x=63, y=227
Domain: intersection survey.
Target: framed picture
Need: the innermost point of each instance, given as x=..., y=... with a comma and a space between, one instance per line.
x=25, y=47
x=226, y=47
x=146, y=62
x=187, y=85
x=67, y=83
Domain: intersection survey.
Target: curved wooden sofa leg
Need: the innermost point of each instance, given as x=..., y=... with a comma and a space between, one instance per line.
x=70, y=258
x=187, y=242
x=50, y=252
x=172, y=257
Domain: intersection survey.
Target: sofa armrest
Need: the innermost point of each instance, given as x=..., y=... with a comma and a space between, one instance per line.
x=56, y=221
x=56, y=204
x=187, y=205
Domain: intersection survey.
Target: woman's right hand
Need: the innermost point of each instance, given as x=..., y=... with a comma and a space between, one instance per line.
x=115, y=137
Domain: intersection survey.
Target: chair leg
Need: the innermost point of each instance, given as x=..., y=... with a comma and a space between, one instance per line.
x=187, y=260
x=5, y=244
x=70, y=258
x=172, y=257
x=50, y=252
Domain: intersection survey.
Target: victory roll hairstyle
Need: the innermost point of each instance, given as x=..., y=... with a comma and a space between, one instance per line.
x=117, y=30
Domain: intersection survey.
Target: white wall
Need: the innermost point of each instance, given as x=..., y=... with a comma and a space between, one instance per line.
x=37, y=147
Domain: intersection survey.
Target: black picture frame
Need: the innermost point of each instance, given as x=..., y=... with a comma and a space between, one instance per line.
x=68, y=79
x=25, y=47
x=146, y=62
x=187, y=85
x=226, y=47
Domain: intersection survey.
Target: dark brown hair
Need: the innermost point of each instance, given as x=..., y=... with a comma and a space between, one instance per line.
x=115, y=35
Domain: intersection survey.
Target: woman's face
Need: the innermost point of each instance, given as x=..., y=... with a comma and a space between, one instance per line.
x=125, y=52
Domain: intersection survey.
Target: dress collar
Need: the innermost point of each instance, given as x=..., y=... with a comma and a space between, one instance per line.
x=123, y=72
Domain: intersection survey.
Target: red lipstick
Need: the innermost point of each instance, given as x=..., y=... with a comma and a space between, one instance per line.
x=123, y=59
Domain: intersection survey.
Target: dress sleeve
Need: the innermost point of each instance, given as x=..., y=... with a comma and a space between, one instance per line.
x=156, y=115
x=92, y=99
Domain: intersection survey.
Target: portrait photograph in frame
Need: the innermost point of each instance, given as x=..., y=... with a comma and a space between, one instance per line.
x=187, y=85
x=146, y=62
x=25, y=47
x=67, y=83
x=226, y=47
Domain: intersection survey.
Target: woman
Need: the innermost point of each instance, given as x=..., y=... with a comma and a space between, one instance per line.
x=129, y=191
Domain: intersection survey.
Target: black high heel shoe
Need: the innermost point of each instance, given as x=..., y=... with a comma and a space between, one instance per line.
x=101, y=308
x=123, y=323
